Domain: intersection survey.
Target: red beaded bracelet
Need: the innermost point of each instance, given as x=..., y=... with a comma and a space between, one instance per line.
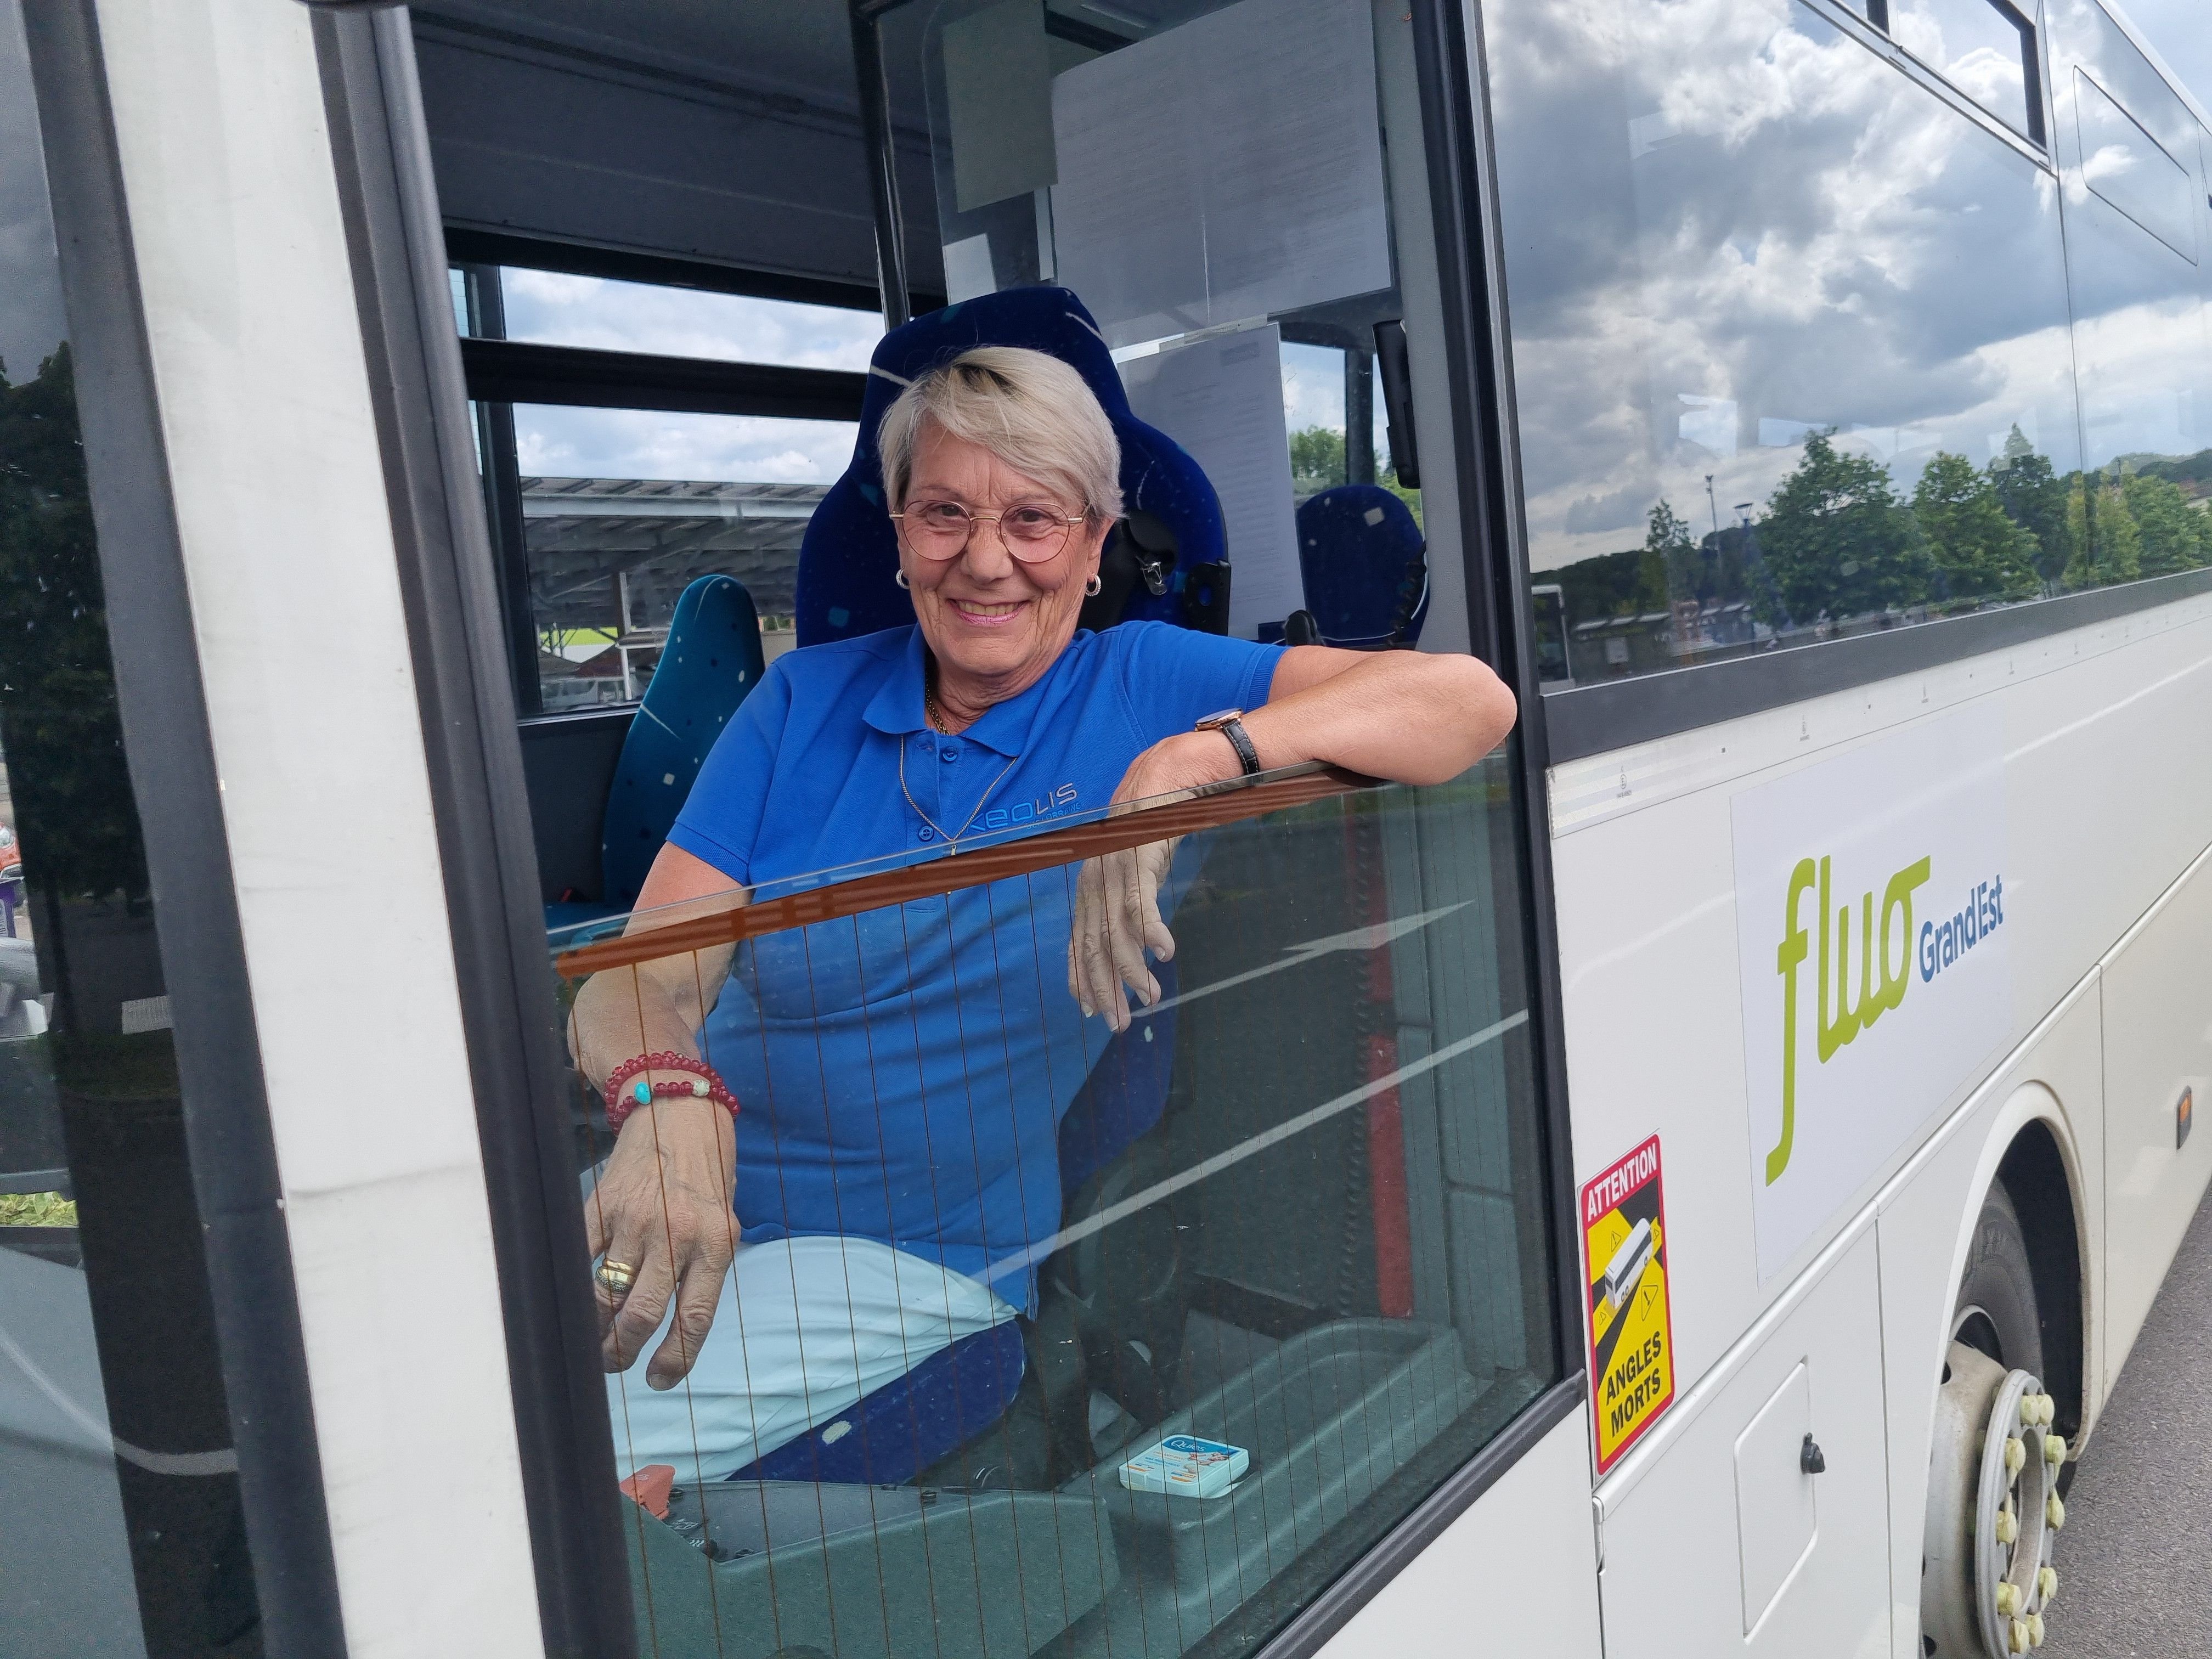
x=705, y=1083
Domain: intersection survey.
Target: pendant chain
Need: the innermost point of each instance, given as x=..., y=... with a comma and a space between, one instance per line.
x=934, y=712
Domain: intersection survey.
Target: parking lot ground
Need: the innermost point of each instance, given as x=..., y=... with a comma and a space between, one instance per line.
x=2135, y=1561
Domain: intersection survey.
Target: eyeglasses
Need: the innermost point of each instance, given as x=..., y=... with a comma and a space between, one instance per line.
x=1033, y=531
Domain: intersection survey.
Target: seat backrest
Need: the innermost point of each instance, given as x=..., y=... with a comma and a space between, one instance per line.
x=710, y=665
x=1365, y=567
x=849, y=553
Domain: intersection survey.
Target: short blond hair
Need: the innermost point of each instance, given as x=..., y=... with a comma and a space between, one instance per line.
x=1030, y=409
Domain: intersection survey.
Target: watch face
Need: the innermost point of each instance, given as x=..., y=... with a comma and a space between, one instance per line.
x=1214, y=722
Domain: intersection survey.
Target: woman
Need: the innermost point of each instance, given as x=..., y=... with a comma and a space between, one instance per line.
x=893, y=1163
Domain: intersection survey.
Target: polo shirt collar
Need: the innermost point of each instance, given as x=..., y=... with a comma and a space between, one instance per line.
x=896, y=707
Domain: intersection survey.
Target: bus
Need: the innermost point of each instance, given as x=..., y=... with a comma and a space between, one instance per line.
x=424, y=430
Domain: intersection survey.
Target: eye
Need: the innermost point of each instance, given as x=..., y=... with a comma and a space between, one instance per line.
x=939, y=515
x=1031, y=522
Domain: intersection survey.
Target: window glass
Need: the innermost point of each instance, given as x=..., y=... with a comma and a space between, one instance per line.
x=622, y=509
x=552, y=308
x=1774, y=385
x=1291, y=1225
x=122, y=1533
x=1250, y=234
x=1981, y=46
x=2142, y=355
x=1288, y=1226
x=2127, y=167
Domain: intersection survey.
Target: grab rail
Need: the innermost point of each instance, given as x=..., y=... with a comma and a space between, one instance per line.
x=1206, y=808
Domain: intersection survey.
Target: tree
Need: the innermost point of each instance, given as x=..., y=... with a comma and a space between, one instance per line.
x=1672, y=563
x=1317, y=456
x=64, y=733
x=2034, y=498
x=2174, y=535
x=1979, y=553
x=2107, y=546
x=1838, y=540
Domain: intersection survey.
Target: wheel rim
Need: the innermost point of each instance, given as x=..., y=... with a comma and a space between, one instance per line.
x=1992, y=1514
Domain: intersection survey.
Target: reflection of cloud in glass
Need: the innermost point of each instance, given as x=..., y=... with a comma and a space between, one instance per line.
x=635, y=443
x=558, y=309
x=1776, y=232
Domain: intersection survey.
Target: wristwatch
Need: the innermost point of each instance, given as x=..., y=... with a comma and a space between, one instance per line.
x=1230, y=723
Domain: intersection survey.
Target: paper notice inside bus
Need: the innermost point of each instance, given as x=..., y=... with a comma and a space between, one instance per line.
x=1631, y=1333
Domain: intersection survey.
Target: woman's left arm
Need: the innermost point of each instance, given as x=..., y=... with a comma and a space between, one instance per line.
x=1408, y=716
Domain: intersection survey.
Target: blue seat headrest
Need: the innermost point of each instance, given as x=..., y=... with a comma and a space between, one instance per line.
x=849, y=553
x=1365, y=566
x=710, y=665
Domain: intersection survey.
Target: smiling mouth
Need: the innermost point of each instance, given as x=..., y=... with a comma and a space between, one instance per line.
x=987, y=616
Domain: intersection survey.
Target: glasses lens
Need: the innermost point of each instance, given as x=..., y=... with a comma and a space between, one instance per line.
x=1034, y=531
x=938, y=529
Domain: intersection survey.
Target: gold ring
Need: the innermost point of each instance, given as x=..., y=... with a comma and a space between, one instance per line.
x=616, y=1276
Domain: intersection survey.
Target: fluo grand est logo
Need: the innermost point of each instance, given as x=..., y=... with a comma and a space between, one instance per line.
x=1889, y=957
x=1872, y=911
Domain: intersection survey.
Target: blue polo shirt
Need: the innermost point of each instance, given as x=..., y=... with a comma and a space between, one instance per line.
x=904, y=1072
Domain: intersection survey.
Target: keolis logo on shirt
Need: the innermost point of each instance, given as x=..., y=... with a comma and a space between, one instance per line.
x=1870, y=906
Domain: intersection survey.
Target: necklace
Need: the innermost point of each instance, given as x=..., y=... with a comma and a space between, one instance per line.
x=955, y=834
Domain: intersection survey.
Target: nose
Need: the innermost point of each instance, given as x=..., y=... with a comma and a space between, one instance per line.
x=987, y=560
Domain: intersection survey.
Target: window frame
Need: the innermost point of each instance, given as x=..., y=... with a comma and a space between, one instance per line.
x=1454, y=136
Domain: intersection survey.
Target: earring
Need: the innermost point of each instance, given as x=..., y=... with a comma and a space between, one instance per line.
x=1093, y=586
x=899, y=577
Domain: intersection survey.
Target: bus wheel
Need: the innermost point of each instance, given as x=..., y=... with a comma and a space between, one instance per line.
x=1993, y=1503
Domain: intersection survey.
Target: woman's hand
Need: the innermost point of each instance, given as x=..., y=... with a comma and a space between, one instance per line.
x=662, y=1207
x=1117, y=903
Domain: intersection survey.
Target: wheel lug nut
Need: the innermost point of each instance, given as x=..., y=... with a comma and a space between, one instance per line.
x=2015, y=1454
x=2046, y=1585
x=2035, y=1630
x=2008, y=1598
x=2008, y=1527
x=2054, y=1511
x=2019, y=1642
x=2054, y=1449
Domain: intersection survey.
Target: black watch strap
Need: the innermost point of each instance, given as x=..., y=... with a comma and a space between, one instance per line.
x=1247, y=755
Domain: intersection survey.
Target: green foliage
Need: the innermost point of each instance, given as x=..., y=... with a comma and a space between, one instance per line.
x=1317, y=456
x=2107, y=545
x=2034, y=498
x=2174, y=535
x=62, y=733
x=1979, y=552
x=37, y=1210
x=1317, y=462
x=1839, y=541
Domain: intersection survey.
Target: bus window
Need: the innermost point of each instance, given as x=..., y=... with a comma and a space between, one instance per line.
x=1984, y=47
x=1765, y=398
x=1007, y=1275
x=123, y=1534
x=1278, y=1269
x=624, y=510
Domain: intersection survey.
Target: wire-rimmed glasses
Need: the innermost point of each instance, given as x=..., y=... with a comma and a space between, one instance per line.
x=1033, y=531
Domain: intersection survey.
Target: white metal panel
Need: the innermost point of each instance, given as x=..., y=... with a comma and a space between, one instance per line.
x=1674, y=1583
x=2157, y=1042
x=1642, y=842
x=1516, y=1574
x=288, y=545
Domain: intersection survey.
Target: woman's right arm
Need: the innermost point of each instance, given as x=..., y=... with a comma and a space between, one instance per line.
x=662, y=1205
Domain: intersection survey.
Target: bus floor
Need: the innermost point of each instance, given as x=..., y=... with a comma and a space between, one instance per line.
x=2132, y=1577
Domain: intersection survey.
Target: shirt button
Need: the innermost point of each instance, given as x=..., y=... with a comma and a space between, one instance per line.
x=948, y=754
x=925, y=833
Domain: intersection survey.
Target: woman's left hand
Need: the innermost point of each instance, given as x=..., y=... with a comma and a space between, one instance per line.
x=1117, y=903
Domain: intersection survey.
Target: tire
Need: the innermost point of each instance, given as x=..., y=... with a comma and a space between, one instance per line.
x=1996, y=1311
